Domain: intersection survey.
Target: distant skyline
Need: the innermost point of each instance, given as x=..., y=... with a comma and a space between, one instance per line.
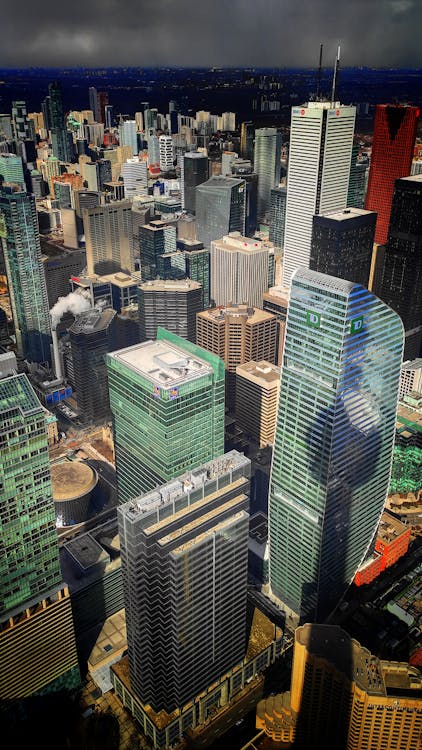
x=263, y=33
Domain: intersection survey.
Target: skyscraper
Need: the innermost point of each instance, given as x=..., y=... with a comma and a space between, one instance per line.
x=155, y=239
x=25, y=273
x=167, y=401
x=135, y=177
x=165, y=143
x=61, y=139
x=128, y=135
x=22, y=126
x=247, y=133
x=92, y=336
x=93, y=102
x=392, y=153
x=278, y=200
x=37, y=650
x=194, y=171
x=342, y=696
x=342, y=244
x=237, y=334
x=184, y=567
x=267, y=166
x=239, y=270
x=357, y=180
x=11, y=170
x=334, y=439
x=220, y=208
x=171, y=304
x=321, y=139
x=400, y=282
x=108, y=236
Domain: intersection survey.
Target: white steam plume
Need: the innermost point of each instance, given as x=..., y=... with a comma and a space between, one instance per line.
x=75, y=302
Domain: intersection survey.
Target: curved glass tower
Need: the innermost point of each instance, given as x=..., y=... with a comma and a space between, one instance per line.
x=334, y=439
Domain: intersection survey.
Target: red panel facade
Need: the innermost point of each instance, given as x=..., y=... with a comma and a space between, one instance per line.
x=392, y=154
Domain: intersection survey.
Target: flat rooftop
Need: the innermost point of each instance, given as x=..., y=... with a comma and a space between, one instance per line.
x=92, y=320
x=347, y=214
x=348, y=656
x=390, y=528
x=162, y=363
x=415, y=364
x=191, y=480
x=261, y=372
x=72, y=479
x=253, y=314
x=159, y=285
x=236, y=242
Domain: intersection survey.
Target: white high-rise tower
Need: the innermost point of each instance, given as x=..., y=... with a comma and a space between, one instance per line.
x=321, y=139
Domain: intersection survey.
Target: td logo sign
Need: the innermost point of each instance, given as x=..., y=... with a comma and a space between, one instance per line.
x=313, y=319
x=356, y=325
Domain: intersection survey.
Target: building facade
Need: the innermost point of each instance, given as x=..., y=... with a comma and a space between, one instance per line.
x=220, y=208
x=237, y=334
x=321, y=140
x=400, y=281
x=108, y=237
x=257, y=388
x=92, y=335
x=392, y=154
x=172, y=305
x=35, y=613
x=334, y=439
x=184, y=564
x=22, y=253
x=239, y=270
x=167, y=401
x=342, y=244
x=343, y=696
x=194, y=171
x=267, y=166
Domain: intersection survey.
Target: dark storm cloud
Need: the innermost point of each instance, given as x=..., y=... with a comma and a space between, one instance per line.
x=210, y=32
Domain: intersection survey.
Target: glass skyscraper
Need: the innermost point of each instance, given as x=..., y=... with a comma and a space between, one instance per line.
x=334, y=439
x=37, y=641
x=220, y=208
x=25, y=273
x=167, y=402
x=29, y=560
x=267, y=166
x=184, y=569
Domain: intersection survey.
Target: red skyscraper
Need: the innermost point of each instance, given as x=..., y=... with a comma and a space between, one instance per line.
x=392, y=153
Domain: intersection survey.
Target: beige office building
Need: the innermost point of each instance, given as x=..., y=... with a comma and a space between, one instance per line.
x=237, y=334
x=257, y=388
x=109, y=238
x=342, y=696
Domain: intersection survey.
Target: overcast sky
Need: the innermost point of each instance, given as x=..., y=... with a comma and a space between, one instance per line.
x=210, y=32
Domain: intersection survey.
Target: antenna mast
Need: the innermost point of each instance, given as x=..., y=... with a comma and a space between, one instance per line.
x=318, y=91
x=335, y=77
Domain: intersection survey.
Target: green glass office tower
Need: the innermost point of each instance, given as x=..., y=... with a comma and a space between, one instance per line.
x=167, y=402
x=25, y=273
x=37, y=641
x=334, y=439
x=29, y=561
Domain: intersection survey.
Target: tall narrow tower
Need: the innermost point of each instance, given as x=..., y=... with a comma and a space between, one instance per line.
x=267, y=166
x=392, y=154
x=321, y=139
x=37, y=642
x=400, y=283
x=334, y=439
x=25, y=273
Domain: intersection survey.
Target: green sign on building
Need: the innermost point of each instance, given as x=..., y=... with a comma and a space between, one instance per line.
x=313, y=319
x=356, y=324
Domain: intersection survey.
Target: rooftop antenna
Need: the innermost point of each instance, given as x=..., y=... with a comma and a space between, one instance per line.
x=318, y=91
x=335, y=77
